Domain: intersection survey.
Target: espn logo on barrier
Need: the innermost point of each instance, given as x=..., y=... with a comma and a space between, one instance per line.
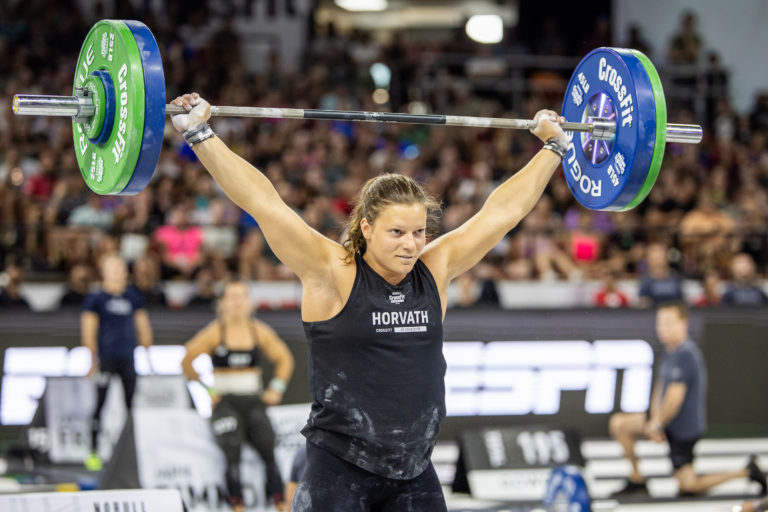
x=26, y=368
x=529, y=377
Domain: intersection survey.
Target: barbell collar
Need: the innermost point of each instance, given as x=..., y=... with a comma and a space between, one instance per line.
x=602, y=129
x=82, y=107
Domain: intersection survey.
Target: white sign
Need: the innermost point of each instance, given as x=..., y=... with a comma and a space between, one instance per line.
x=165, y=500
x=524, y=377
x=69, y=406
x=26, y=368
x=176, y=449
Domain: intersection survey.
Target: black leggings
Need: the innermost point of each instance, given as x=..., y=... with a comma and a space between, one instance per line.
x=127, y=371
x=235, y=420
x=331, y=484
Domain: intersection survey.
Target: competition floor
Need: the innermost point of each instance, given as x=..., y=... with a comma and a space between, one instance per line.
x=605, y=470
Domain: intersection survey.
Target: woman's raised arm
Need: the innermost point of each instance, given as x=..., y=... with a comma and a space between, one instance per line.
x=302, y=249
x=459, y=250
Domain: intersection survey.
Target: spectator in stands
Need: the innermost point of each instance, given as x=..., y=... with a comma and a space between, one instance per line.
x=236, y=343
x=10, y=287
x=716, y=78
x=677, y=412
x=636, y=40
x=752, y=215
x=131, y=223
x=180, y=244
x=585, y=244
x=609, y=295
x=219, y=233
x=659, y=283
x=711, y=294
x=543, y=246
x=78, y=285
x=476, y=288
x=205, y=288
x=599, y=36
x=91, y=215
x=225, y=45
x=758, y=117
x=146, y=277
x=705, y=231
x=684, y=50
x=724, y=121
x=743, y=289
x=549, y=39
x=39, y=187
x=253, y=261
x=113, y=320
x=516, y=264
x=685, y=46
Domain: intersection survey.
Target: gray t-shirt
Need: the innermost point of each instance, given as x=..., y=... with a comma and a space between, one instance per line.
x=686, y=365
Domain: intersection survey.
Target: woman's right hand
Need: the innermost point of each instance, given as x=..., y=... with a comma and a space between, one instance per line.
x=198, y=111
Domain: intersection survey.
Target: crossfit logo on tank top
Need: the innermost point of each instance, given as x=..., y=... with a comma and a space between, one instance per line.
x=397, y=298
x=400, y=321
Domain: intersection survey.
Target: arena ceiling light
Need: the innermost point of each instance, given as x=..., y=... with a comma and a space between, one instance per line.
x=363, y=5
x=485, y=28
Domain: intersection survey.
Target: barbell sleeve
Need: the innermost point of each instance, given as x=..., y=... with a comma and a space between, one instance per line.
x=684, y=133
x=80, y=107
x=66, y=106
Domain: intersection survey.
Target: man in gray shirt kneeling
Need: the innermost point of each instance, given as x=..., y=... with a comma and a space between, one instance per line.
x=677, y=412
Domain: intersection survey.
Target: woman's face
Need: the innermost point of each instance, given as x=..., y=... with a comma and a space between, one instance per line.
x=395, y=239
x=236, y=301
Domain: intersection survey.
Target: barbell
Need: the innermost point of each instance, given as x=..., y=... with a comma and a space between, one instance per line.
x=616, y=117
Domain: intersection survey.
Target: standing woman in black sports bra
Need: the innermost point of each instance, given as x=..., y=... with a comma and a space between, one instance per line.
x=235, y=342
x=373, y=310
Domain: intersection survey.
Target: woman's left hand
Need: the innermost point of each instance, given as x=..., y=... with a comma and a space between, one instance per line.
x=271, y=397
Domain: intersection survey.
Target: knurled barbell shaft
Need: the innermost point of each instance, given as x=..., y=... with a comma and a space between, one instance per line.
x=72, y=106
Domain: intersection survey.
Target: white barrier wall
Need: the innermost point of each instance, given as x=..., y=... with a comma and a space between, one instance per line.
x=165, y=500
x=287, y=294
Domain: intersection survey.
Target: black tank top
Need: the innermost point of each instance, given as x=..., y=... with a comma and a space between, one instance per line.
x=224, y=357
x=376, y=374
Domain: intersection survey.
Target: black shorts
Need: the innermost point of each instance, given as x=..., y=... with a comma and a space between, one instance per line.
x=680, y=451
x=331, y=483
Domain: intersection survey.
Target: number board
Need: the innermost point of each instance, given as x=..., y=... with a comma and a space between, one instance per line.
x=514, y=463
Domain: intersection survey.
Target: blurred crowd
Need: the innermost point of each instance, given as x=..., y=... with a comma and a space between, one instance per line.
x=705, y=218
